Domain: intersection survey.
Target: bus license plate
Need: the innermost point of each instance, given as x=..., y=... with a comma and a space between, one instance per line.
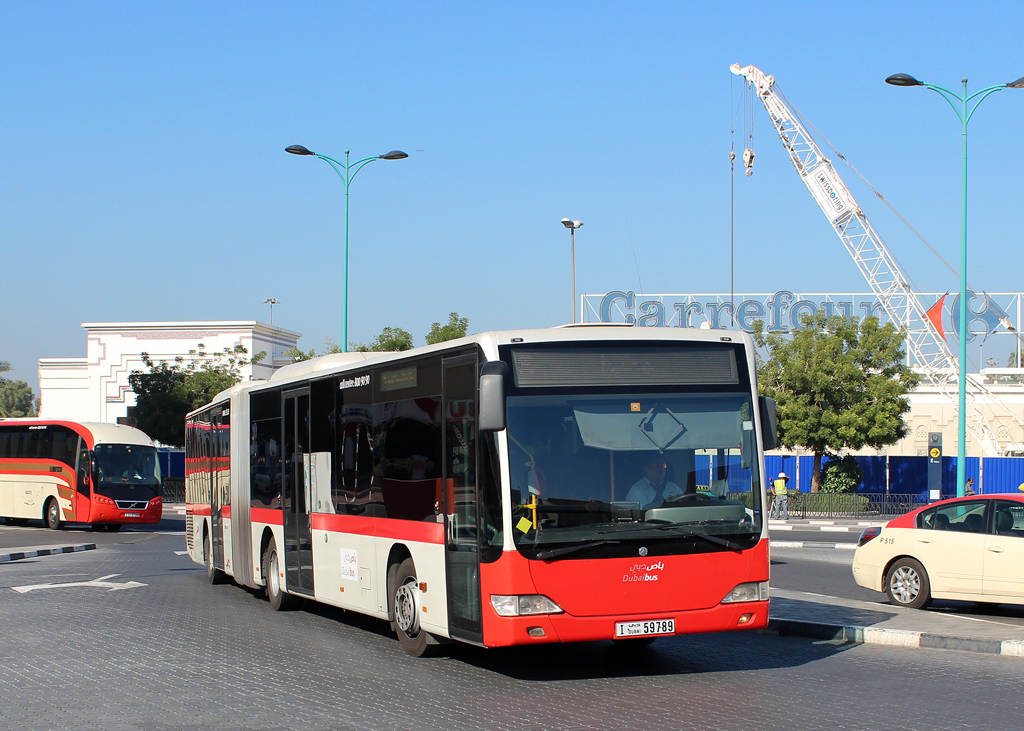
x=133, y=515
x=645, y=627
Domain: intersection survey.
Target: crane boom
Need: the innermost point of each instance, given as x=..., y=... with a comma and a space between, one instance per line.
x=927, y=347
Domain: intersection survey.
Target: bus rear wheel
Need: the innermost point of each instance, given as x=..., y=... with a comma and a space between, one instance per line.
x=280, y=600
x=51, y=514
x=213, y=574
x=405, y=607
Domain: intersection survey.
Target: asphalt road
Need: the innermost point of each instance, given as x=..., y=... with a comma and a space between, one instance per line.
x=827, y=571
x=131, y=636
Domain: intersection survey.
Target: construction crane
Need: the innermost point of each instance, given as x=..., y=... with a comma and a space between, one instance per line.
x=926, y=344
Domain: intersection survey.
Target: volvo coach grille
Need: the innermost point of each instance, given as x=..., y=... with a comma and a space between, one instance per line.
x=132, y=504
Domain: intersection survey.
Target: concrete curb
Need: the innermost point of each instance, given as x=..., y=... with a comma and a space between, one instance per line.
x=892, y=638
x=19, y=555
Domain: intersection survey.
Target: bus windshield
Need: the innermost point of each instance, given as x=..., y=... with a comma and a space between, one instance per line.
x=598, y=475
x=127, y=472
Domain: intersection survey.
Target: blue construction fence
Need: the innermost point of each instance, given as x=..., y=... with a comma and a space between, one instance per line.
x=908, y=475
x=172, y=462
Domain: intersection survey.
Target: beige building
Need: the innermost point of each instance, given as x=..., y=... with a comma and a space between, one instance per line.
x=95, y=387
x=996, y=415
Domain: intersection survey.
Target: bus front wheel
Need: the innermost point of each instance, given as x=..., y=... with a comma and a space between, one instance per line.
x=406, y=612
x=51, y=514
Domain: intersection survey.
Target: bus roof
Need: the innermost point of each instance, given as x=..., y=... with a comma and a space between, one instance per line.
x=101, y=433
x=489, y=342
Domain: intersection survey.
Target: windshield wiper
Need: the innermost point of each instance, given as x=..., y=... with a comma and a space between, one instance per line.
x=681, y=527
x=556, y=552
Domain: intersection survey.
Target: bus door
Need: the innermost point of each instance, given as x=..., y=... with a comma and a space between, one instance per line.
x=462, y=554
x=298, y=533
x=212, y=464
x=83, y=482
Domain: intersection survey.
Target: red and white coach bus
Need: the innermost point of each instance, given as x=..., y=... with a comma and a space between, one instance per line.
x=57, y=471
x=489, y=490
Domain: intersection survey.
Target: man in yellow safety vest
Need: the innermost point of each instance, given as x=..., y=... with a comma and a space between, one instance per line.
x=780, y=493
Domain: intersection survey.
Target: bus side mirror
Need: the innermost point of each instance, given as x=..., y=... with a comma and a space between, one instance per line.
x=769, y=423
x=492, y=396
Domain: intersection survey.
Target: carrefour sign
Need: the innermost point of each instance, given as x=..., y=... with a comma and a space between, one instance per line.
x=783, y=311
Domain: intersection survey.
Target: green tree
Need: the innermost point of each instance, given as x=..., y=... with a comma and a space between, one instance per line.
x=456, y=328
x=16, y=397
x=841, y=475
x=296, y=354
x=839, y=384
x=167, y=392
x=391, y=339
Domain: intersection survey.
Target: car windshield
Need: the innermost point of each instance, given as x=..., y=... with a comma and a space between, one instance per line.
x=127, y=471
x=597, y=473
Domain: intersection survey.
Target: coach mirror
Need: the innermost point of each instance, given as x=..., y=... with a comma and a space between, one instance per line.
x=492, y=396
x=769, y=423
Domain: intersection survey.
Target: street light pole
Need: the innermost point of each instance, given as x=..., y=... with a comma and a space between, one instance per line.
x=271, y=301
x=347, y=172
x=964, y=114
x=572, y=226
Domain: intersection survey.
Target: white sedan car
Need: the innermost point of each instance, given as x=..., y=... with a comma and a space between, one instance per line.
x=969, y=548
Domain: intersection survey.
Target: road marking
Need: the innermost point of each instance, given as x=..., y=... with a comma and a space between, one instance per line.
x=181, y=553
x=100, y=583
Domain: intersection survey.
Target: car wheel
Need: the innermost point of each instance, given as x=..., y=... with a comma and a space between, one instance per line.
x=280, y=600
x=51, y=514
x=405, y=608
x=907, y=585
x=213, y=574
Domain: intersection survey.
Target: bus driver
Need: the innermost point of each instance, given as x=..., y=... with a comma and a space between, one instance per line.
x=651, y=490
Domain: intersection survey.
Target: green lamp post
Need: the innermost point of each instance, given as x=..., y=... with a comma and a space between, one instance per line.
x=347, y=172
x=967, y=106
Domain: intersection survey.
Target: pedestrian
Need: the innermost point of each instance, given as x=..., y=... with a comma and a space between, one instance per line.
x=780, y=493
x=969, y=487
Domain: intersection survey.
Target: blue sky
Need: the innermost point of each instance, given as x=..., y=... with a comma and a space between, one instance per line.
x=143, y=173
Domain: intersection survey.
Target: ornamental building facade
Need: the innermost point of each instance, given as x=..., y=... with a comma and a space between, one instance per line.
x=95, y=387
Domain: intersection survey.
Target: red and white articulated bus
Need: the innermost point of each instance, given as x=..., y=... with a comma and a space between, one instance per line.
x=64, y=471
x=491, y=489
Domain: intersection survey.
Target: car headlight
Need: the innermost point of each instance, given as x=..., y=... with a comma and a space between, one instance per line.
x=753, y=591
x=517, y=605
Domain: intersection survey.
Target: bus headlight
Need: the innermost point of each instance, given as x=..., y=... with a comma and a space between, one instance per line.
x=519, y=605
x=754, y=591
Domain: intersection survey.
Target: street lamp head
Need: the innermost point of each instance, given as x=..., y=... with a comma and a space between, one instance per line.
x=1018, y=84
x=569, y=223
x=298, y=150
x=903, y=80
x=394, y=155
x=271, y=301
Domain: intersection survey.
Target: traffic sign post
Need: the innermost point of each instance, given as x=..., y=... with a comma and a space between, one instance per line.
x=934, y=466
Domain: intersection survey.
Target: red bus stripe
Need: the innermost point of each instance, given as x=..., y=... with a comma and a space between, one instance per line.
x=403, y=530
x=267, y=515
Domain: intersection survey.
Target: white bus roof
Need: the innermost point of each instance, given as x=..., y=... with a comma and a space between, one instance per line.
x=102, y=433
x=490, y=341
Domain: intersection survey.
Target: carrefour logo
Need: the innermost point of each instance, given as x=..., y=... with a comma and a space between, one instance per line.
x=980, y=309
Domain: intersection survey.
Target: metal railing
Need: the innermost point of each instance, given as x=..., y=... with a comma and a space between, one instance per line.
x=174, y=490
x=876, y=506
